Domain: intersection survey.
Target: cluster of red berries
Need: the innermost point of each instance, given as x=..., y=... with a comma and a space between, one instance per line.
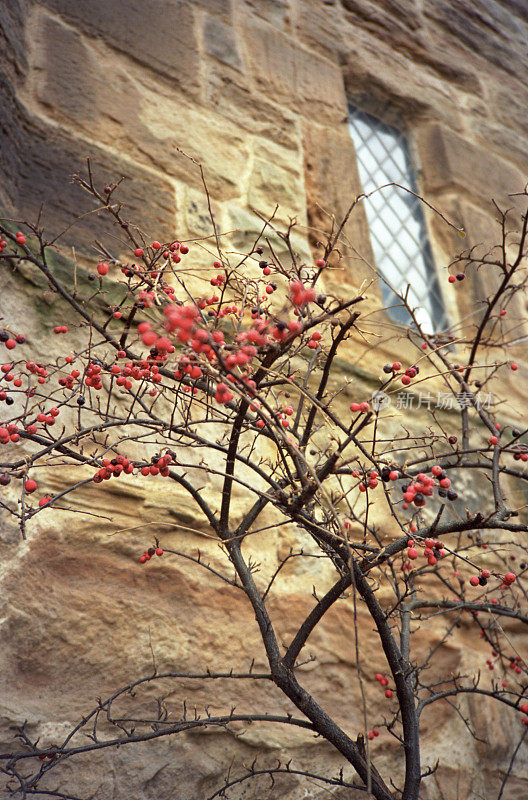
x=364, y=408
x=92, y=376
x=44, y=419
x=143, y=370
x=485, y=575
x=515, y=662
x=433, y=551
x=9, y=377
x=370, y=481
x=20, y=239
x=384, y=681
x=187, y=366
x=113, y=468
x=9, y=434
x=11, y=341
x=396, y=367
x=458, y=277
x=60, y=329
x=301, y=295
x=159, y=466
x=170, y=252
x=37, y=369
x=314, y=341
x=424, y=485
x=152, y=551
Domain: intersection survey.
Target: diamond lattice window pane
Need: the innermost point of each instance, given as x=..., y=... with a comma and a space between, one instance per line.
x=397, y=226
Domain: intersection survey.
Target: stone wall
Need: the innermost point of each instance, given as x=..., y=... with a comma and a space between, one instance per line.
x=257, y=92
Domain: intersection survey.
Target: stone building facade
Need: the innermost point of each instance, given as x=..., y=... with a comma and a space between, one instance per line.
x=258, y=92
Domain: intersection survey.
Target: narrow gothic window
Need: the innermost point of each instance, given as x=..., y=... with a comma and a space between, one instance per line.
x=397, y=226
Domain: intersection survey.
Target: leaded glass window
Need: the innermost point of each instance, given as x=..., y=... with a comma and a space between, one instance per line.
x=397, y=226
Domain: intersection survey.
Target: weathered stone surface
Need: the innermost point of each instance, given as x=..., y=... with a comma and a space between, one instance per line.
x=251, y=111
x=38, y=160
x=333, y=183
x=244, y=227
x=13, y=56
x=254, y=90
x=276, y=178
x=487, y=29
x=321, y=25
x=276, y=12
x=450, y=161
x=220, y=41
x=131, y=115
x=292, y=74
x=164, y=38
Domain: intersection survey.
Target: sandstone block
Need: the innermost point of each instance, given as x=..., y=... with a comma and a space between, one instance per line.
x=220, y=41
x=276, y=178
x=293, y=75
x=133, y=114
x=450, y=161
x=12, y=39
x=276, y=12
x=321, y=26
x=250, y=110
x=37, y=161
x=332, y=183
x=487, y=29
x=246, y=226
x=163, y=38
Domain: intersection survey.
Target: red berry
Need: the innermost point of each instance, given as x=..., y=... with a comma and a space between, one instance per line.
x=388, y=693
x=514, y=367
x=156, y=245
x=159, y=551
x=102, y=268
x=474, y=581
x=30, y=485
